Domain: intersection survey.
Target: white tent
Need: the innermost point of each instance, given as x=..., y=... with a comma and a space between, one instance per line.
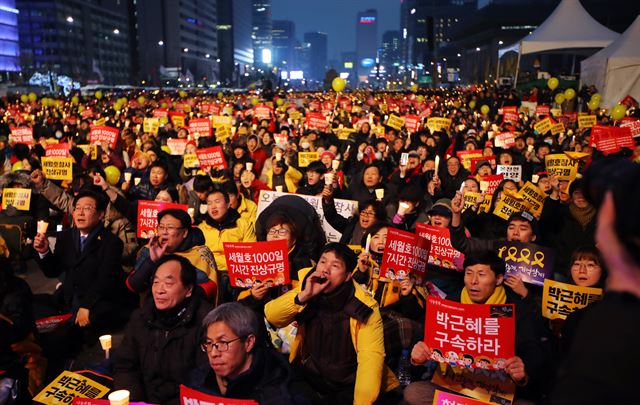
x=615, y=70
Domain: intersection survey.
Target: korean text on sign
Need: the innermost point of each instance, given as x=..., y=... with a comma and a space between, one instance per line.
x=189, y=396
x=404, y=253
x=560, y=299
x=257, y=262
x=148, y=216
x=67, y=386
x=532, y=263
x=211, y=157
x=463, y=334
x=441, y=253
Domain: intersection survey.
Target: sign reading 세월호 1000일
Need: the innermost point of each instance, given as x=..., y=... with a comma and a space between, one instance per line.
x=148, y=216
x=405, y=254
x=251, y=263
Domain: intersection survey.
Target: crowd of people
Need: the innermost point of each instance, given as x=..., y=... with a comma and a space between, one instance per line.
x=341, y=331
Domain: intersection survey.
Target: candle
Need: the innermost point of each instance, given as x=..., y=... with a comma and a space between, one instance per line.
x=437, y=164
x=368, y=244
x=379, y=194
x=42, y=227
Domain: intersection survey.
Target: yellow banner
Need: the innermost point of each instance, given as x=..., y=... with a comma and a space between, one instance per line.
x=218, y=121
x=561, y=299
x=343, y=133
x=295, y=115
x=69, y=385
x=223, y=133
x=191, y=161
x=438, y=124
x=151, y=125
x=304, y=158
x=562, y=166
x=543, y=126
x=378, y=131
x=20, y=198
x=99, y=123
x=486, y=204
x=395, y=122
x=557, y=128
x=178, y=121
x=556, y=112
x=532, y=195
x=509, y=204
x=470, y=199
x=58, y=168
x=587, y=121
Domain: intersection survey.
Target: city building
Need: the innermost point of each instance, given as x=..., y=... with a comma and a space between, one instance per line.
x=235, y=46
x=9, y=44
x=81, y=39
x=317, y=55
x=262, y=34
x=391, y=49
x=348, y=64
x=366, y=42
x=283, y=42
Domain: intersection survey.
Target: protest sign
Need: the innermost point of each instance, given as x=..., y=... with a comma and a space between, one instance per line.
x=556, y=112
x=511, y=116
x=441, y=252
x=223, y=133
x=177, y=145
x=395, y=122
x=345, y=208
x=295, y=115
x=438, y=124
x=405, y=253
x=57, y=150
x=249, y=263
x=491, y=182
x=474, y=162
x=190, y=160
x=200, y=126
x=446, y=398
x=211, y=157
x=532, y=263
x=505, y=140
x=543, y=109
x=543, y=126
x=561, y=299
x=151, y=125
x=610, y=139
x=634, y=127
x=19, y=198
x=100, y=134
x=51, y=323
x=263, y=112
x=67, y=386
x=465, y=156
x=315, y=120
x=470, y=199
x=557, y=128
x=189, y=396
x=304, y=158
x=210, y=108
x=177, y=119
x=218, y=121
x=148, y=216
x=532, y=195
x=528, y=107
x=561, y=166
x=509, y=204
x=412, y=122
x=86, y=113
x=586, y=121
x=22, y=135
x=490, y=386
x=343, y=133
x=100, y=122
x=510, y=172
x=90, y=401
x=461, y=334
x=58, y=168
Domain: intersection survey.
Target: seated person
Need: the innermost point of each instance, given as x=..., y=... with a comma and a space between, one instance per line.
x=339, y=347
x=160, y=345
x=241, y=366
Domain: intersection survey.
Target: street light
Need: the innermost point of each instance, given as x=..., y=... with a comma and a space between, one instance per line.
x=160, y=42
x=207, y=56
x=70, y=19
x=478, y=49
x=185, y=50
x=500, y=42
x=116, y=31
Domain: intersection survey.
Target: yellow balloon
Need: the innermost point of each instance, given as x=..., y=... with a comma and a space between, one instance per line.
x=81, y=108
x=338, y=84
x=279, y=102
x=593, y=104
x=485, y=109
x=75, y=100
x=220, y=94
x=559, y=98
x=254, y=101
x=112, y=175
x=618, y=112
x=457, y=104
x=98, y=94
x=420, y=98
x=182, y=93
x=33, y=97
x=414, y=88
x=553, y=83
x=596, y=96
x=24, y=98
x=164, y=105
x=569, y=93
x=141, y=99
x=472, y=104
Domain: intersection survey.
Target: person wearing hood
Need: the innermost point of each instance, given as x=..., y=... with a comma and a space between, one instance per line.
x=258, y=155
x=161, y=342
x=224, y=224
x=175, y=236
x=147, y=189
x=452, y=176
x=282, y=175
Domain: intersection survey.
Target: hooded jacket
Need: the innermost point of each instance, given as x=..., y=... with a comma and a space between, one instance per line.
x=232, y=228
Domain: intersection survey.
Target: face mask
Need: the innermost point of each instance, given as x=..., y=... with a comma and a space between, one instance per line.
x=58, y=134
x=305, y=145
x=378, y=155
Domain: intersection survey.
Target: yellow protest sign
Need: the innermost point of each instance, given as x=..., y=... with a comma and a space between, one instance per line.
x=58, y=168
x=510, y=203
x=99, y=123
x=486, y=204
x=577, y=155
x=438, y=124
x=470, y=199
x=543, y=126
x=20, y=198
x=304, y=158
x=343, y=133
x=151, y=125
x=561, y=299
x=556, y=112
x=561, y=166
x=191, y=160
x=395, y=122
x=557, y=128
x=378, y=130
x=295, y=115
x=586, y=121
x=223, y=133
x=177, y=121
x=218, y=121
x=531, y=194
x=69, y=385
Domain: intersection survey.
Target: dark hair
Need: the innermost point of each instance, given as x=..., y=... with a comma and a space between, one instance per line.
x=373, y=229
x=486, y=257
x=342, y=252
x=593, y=254
x=220, y=189
x=230, y=187
x=317, y=166
x=98, y=196
x=202, y=183
x=173, y=193
x=180, y=215
x=279, y=218
x=378, y=208
x=187, y=270
x=160, y=164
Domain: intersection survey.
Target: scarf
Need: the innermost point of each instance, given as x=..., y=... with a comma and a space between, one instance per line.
x=584, y=216
x=499, y=296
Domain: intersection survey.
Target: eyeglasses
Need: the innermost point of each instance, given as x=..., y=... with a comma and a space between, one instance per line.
x=367, y=214
x=279, y=232
x=168, y=228
x=86, y=209
x=221, y=346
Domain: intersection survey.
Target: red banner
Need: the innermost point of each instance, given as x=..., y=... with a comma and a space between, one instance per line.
x=200, y=126
x=634, y=127
x=543, y=110
x=161, y=112
x=465, y=156
x=263, y=112
x=50, y=323
x=22, y=135
x=467, y=335
x=474, y=161
x=315, y=120
x=193, y=397
x=511, y=117
x=148, y=215
x=57, y=150
x=177, y=145
x=86, y=113
x=505, y=140
x=412, y=122
x=442, y=253
x=101, y=134
x=257, y=262
x=445, y=398
x=211, y=109
x=211, y=157
x=493, y=181
x=611, y=139
x=404, y=253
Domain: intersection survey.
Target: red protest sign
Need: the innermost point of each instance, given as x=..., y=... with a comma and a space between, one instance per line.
x=543, y=110
x=474, y=162
x=609, y=139
x=200, y=126
x=511, y=116
x=161, y=112
x=50, y=323
x=189, y=396
x=404, y=253
x=211, y=109
x=211, y=157
x=466, y=155
x=492, y=183
x=634, y=127
x=91, y=401
x=446, y=398
x=177, y=145
x=411, y=122
x=510, y=108
x=148, y=215
x=257, y=262
x=57, y=150
x=463, y=335
x=263, y=112
x=441, y=253
x=505, y=140
x=86, y=113
x=315, y=120
x=101, y=134
x=22, y=135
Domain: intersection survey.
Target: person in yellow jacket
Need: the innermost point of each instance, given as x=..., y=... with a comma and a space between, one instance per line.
x=245, y=207
x=223, y=224
x=339, y=347
x=282, y=175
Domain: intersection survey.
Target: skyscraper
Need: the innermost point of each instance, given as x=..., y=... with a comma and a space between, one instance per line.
x=366, y=42
x=261, y=34
x=9, y=37
x=317, y=54
x=235, y=46
x=283, y=41
x=391, y=49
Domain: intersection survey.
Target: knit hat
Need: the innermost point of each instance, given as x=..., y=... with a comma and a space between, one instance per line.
x=441, y=207
x=329, y=154
x=525, y=216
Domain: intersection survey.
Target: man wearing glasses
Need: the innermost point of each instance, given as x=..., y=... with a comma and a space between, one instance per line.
x=241, y=366
x=89, y=256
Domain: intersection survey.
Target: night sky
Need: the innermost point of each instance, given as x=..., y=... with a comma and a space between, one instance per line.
x=337, y=18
